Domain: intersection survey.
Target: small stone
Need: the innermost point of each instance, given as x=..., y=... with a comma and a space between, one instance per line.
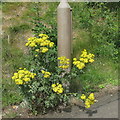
x=15, y=107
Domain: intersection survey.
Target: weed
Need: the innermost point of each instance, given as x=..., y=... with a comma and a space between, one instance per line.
x=19, y=28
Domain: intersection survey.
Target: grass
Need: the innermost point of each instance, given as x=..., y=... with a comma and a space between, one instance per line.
x=81, y=41
x=13, y=51
x=12, y=60
x=100, y=72
x=10, y=93
x=103, y=71
x=10, y=7
x=19, y=28
x=96, y=75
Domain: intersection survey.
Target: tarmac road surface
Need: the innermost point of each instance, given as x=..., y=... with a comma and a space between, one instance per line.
x=106, y=107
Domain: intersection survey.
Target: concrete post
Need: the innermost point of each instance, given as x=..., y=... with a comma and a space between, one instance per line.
x=64, y=22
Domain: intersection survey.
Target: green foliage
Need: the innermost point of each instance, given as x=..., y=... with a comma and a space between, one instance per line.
x=19, y=28
x=12, y=59
x=42, y=92
x=93, y=77
x=9, y=95
x=40, y=27
x=100, y=35
x=102, y=25
x=39, y=92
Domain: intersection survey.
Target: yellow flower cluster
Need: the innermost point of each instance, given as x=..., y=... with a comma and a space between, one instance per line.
x=43, y=49
x=46, y=74
x=63, y=62
x=88, y=101
x=42, y=41
x=79, y=64
x=57, y=88
x=83, y=97
x=84, y=58
x=23, y=76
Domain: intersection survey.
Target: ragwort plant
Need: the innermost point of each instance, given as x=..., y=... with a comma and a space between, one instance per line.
x=46, y=85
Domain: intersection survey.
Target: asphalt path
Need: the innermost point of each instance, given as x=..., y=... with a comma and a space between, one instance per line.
x=106, y=107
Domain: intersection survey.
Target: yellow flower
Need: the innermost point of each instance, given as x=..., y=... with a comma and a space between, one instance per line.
x=13, y=77
x=81, y=59
x=32, y=45
x=91, y=60
x=34, y=74
x=74, y=59
x=26, y=76
x=63, y=62
x=15, y=74
x=23, y=76
x=81, y=65
x=93, y=55
x=43, y=71
x=43, y=49
x=26, y=44
x=26, y=72
x=64, y=66
x=26, y=79
x=20, y=72
x=43, y=35
x=53, y=85
x=18, y=81
x=75, y=62
x=59, y=85
x=46, y=74
x=85, y=60
x=92, y=102
x=87, y=106
x=37, y=50
x=91, y=96
x=44, y=38
x=55, y=89
x=51, y=44
x=83, y=97
x=87, y=103
x=60, y=90
x=36, y=55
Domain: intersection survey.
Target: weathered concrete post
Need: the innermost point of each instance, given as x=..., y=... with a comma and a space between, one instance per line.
x=64, y=21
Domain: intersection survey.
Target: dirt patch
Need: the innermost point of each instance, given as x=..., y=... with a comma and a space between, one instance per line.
x=109, y=89
x=22, y=39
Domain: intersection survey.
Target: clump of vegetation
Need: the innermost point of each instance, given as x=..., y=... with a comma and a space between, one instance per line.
x=95, y=28
x=46, y=85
